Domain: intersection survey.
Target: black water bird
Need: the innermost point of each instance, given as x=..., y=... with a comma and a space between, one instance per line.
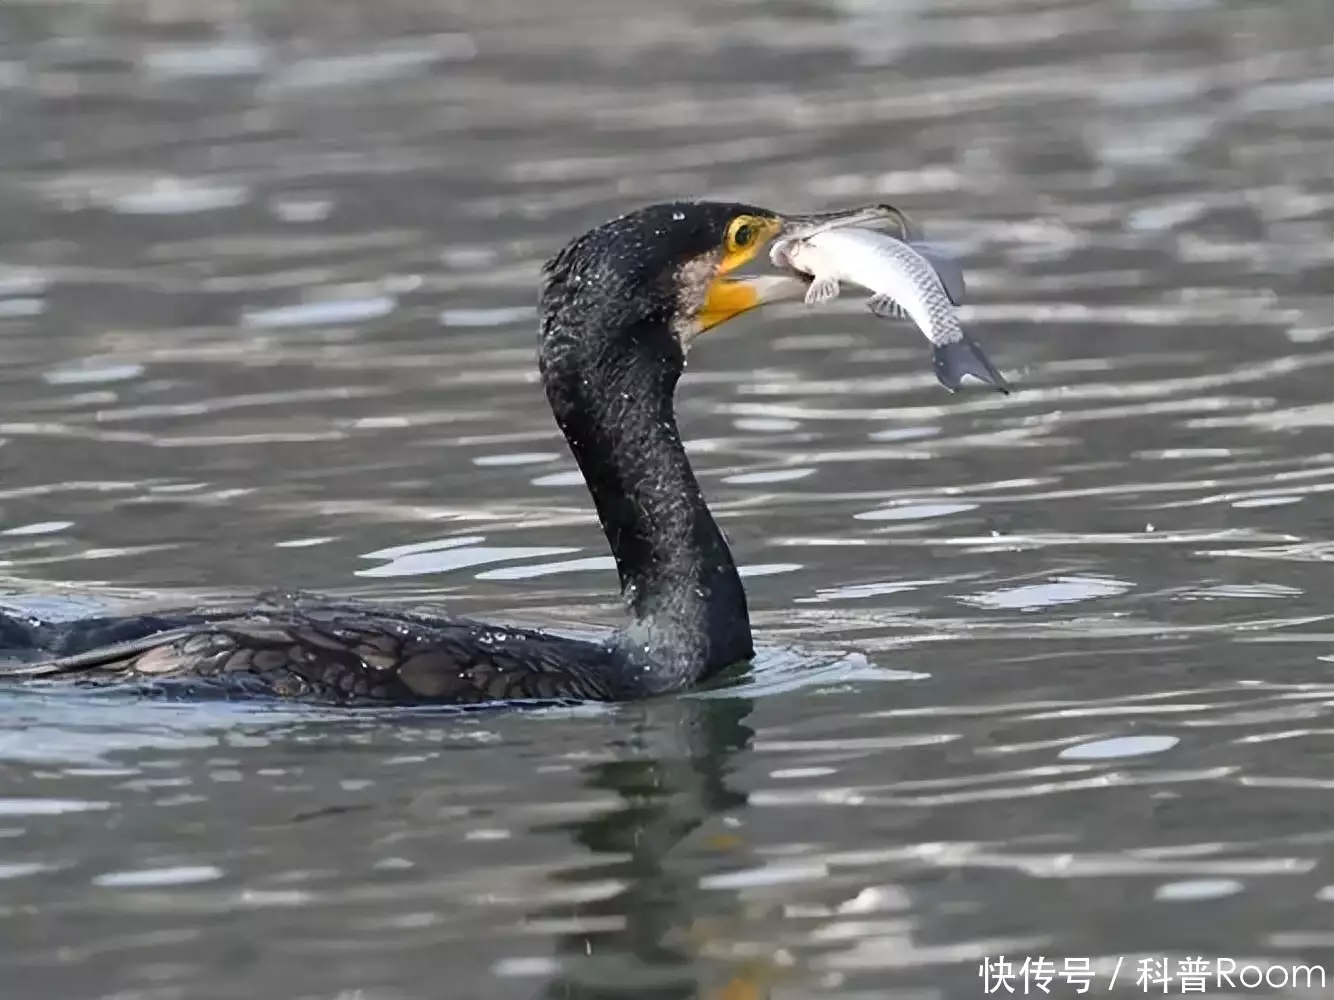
x=619, y=307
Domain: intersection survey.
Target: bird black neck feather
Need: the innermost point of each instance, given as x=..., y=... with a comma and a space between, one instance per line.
x=612, y=397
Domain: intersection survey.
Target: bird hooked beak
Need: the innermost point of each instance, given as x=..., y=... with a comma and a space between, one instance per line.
x=884, y=218
x=730, y=296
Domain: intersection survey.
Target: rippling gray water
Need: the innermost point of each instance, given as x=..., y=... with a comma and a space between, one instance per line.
x=1047, y=675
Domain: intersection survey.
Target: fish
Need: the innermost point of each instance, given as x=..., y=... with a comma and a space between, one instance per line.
x=908, y=280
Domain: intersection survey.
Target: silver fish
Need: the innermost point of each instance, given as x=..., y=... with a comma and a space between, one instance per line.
x=908, y=280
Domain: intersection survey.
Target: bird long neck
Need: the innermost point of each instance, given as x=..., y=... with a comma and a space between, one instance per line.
x=678, y=578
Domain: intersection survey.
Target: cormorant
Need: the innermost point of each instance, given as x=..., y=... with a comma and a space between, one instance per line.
x=619, y=307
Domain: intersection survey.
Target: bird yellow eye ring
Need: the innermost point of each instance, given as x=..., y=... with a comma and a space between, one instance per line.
x=741, y=233
x=745, y=235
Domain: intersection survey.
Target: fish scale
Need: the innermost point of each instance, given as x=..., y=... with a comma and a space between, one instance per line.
x=905, y=283
x=893, y=269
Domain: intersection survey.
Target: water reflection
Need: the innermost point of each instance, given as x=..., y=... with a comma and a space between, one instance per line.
x=676, y=816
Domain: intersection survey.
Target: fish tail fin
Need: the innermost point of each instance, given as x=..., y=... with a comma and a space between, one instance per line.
x=963, y=357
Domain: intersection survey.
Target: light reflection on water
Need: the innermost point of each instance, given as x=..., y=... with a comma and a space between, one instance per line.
x=1036, y=673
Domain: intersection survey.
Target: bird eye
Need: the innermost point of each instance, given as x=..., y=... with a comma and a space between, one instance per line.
x=744, y=235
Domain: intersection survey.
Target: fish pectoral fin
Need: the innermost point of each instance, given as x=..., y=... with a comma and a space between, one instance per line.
x=822, y=289
x=886, y=307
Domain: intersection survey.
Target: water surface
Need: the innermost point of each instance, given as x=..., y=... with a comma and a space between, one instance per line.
x=1044, y=675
